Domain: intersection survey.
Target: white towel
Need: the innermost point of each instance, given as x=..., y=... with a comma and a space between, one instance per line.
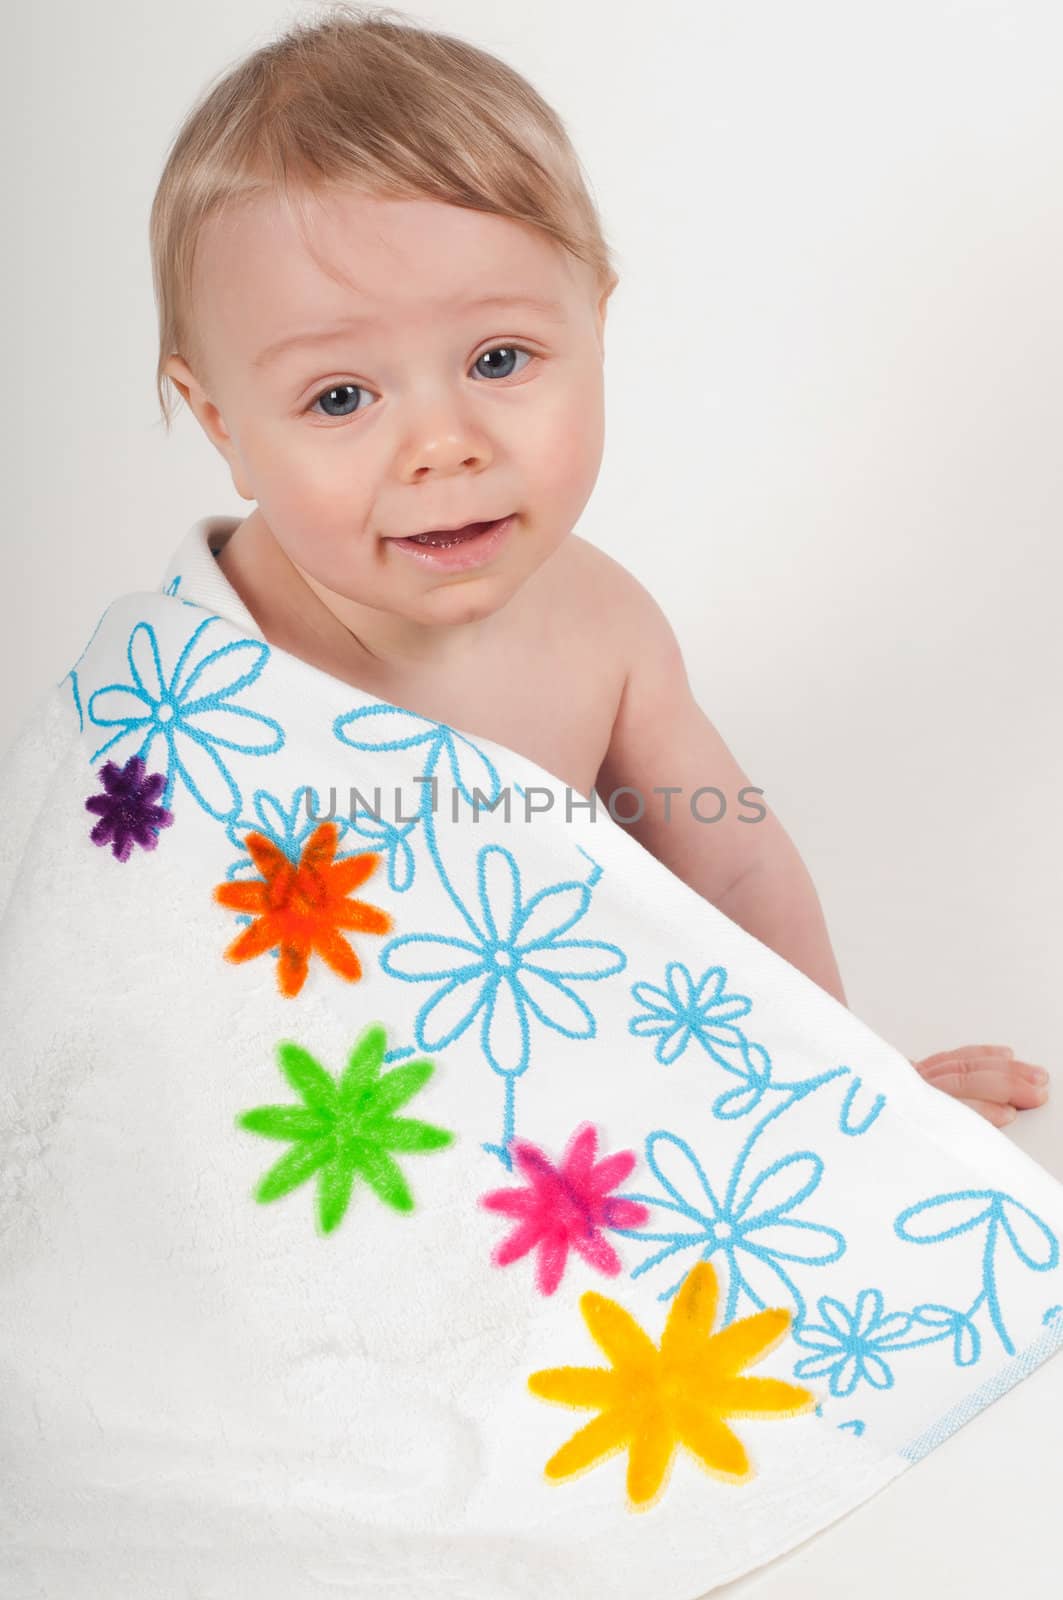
x=333, y=1149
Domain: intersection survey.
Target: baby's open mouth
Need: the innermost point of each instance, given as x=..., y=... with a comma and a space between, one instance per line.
x=477, y=544
x=441, y=541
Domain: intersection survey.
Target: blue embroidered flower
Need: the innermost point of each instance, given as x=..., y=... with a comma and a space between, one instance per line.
x=684, y=1010
x=999, y=1217
x=849, y=1342
x=192, y=712
x=128, y=811
x=756, y=1233
x=390, y=840
x=946, y=1216
x=515, y=965
x=389, y=727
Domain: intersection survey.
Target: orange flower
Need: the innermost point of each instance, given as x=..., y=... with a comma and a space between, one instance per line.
x=302, y=908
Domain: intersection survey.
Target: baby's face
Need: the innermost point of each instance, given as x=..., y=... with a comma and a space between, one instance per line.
x=398, y=404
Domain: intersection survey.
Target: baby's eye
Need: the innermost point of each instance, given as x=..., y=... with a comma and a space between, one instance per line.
x=504, y=368
x=343, y=394
x=339, y=399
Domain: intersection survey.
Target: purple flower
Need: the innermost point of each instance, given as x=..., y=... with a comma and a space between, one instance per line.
x=127, y=812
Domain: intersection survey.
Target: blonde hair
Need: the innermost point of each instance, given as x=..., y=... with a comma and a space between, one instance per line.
x=385, y=105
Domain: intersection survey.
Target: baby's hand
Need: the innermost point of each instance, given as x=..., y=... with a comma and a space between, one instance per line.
x=987, y=1077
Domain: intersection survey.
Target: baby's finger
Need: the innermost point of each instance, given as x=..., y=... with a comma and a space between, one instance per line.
x=998, y=1115
x=1005, y=1083
x=972, y=1074
x=967, y=1050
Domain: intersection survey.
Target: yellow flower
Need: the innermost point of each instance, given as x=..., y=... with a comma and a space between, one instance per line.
x=653, y=1399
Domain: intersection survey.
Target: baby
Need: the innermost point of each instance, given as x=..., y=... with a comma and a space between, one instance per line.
x=382, y=291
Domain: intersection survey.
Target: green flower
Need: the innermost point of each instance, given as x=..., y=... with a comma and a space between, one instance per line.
x=345, y=1126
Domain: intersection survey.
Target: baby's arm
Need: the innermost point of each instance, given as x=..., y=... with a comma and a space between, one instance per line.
x=749, y=869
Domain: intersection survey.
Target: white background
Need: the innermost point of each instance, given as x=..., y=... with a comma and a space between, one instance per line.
x=834, y=367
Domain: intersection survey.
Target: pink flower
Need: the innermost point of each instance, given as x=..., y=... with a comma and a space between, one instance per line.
x=566, y=1207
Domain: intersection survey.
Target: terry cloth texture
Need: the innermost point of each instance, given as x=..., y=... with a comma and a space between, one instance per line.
x=435, y=1196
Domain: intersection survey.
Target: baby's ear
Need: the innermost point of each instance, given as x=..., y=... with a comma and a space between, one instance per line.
x=208, y=416
x=603, y=303
x=182, y=377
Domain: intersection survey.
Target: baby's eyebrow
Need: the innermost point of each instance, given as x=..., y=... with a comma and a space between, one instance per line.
x=312, y=336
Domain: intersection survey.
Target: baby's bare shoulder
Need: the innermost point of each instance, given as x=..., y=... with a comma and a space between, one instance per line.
x=582, y=623
x=587, y=562
x=616, y=612
x=599, y=587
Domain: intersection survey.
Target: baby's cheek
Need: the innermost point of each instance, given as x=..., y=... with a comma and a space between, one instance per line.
x=315, y=502
x=567, y=440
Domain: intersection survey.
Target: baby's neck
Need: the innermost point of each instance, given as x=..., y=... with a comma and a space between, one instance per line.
x=294, y=617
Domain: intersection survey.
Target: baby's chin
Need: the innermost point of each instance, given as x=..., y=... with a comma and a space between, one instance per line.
x=452, y=600
x=411, y=605
x=457, y=604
